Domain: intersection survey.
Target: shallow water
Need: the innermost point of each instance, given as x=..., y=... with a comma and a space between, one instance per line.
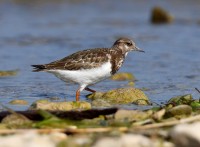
x=43, y=31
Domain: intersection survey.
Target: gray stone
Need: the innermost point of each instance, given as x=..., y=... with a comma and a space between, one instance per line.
x=186, y=135
x=126, y=140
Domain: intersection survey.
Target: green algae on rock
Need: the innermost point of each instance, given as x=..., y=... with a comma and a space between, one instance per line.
x=8, y=73
x=18, y=102
x=183, y=99
x=160, y=16
x=62, y=106
x=123, y=76
x=122, y=96
x=195, y=104
x=52, y=121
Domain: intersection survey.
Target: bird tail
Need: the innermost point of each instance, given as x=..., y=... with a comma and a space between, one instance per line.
x=38, y=68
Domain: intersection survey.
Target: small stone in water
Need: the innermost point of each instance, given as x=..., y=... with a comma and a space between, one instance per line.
x=18, y=102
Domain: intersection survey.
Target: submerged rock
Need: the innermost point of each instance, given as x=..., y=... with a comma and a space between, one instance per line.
x=8, y=73
x=18, y=102
x=122, y=96
x=61, y=106
x=159, y=15
x=186, y=135
x=124, y=76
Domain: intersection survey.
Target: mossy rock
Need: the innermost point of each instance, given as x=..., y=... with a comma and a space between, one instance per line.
x=18, y=102
x=160, y=16
x=124, y=76
x=183, y=99
x=122, y=96
x=60, y=106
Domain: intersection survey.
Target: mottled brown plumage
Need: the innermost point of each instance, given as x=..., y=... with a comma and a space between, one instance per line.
x=89, y=59
x=85, y=59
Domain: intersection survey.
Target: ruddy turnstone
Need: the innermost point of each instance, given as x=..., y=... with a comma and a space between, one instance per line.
x=90, y=66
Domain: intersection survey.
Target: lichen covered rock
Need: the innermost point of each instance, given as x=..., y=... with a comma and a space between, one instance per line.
x=61, y=106
x=122, y=96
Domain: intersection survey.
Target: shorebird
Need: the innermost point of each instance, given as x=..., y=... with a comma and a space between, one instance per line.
x=90, y=66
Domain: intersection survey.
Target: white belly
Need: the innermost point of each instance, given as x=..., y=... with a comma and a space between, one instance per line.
x=84, y=77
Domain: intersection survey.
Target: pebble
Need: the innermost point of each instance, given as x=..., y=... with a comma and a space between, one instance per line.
x=127, y=140
x=186, y=135
x=31, y=139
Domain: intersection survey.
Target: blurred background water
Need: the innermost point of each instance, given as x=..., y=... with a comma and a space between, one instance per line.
x=40, y=31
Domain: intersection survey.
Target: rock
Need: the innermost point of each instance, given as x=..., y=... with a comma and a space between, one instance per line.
x=54, y=98
x=76, y=141
x=160, y=16
x=31, y=138
x=8, y=73
x=159, y=115
x=159, y=143
x=124, y=76
x=127, y=140
x=18, y=102
x=131, y=115
x=60, y=106
x=131, y=83
x=122, y=96
x=14, y=120
x=186, y=135
x=100, y=103
x=182, y=99
x=179, y=110
x=95, y=95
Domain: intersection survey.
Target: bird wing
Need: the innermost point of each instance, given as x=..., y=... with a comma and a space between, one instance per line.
x=85, y=59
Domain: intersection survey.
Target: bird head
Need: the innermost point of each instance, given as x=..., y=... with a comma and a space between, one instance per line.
x=126, y=45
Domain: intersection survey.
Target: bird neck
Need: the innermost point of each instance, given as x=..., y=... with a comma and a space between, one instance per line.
x=118, y=50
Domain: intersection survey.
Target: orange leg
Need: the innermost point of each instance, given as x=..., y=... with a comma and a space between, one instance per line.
x=88, y=89
x=77, y=94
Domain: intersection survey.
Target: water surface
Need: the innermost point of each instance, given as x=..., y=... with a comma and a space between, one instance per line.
x=43, y=31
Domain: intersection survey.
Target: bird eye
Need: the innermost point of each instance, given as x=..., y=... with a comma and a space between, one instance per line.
x=129, y=43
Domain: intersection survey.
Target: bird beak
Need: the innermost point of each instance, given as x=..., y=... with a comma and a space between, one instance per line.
x=138, y=49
